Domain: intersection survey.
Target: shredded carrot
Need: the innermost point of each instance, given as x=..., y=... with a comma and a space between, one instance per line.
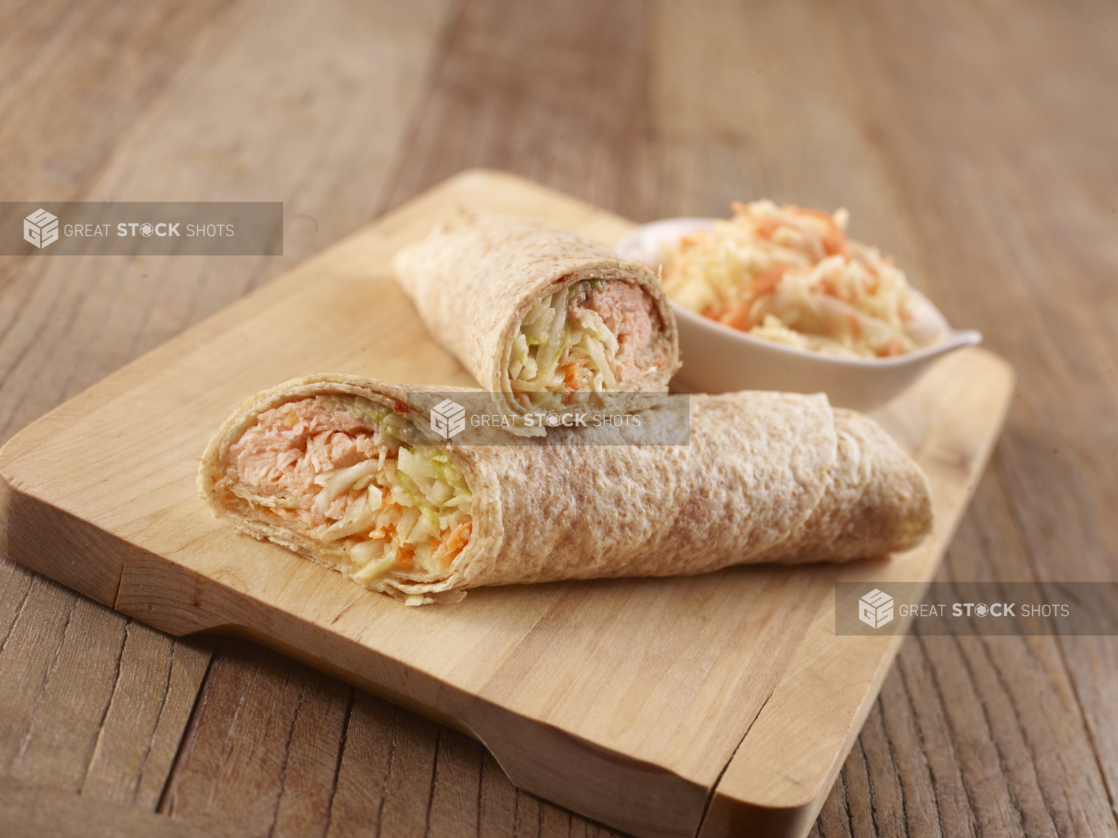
x=765, y=229
x=827, y=286
x=453, y=543
x=835, y=242
x=739, y=317
x=570, y=373
x=766, y=283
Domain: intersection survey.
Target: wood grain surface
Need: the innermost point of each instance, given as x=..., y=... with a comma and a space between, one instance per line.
x=972, y=140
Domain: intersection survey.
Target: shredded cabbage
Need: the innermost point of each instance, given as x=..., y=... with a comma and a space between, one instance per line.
x=791, y=276
x=563, y=350
x=407, y=512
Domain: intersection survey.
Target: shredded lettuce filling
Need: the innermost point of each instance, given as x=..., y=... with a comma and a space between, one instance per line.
x=407, y=512
x=560, y=350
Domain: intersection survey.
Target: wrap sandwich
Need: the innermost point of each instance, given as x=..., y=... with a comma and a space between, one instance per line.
x=536, y=312
x=339, y=470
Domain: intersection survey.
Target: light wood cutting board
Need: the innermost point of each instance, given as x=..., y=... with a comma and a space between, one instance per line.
x=663, y=707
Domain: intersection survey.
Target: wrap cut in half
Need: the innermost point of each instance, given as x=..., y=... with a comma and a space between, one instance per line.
x=323, y=466
x=535, y=311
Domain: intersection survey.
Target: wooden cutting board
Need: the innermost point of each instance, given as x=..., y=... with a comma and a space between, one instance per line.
x=662, y=707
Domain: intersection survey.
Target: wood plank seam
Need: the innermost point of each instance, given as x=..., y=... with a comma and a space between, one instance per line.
x=539, y=820
x=952, y=734
x=434, y=783
x=846, y=801
x=108, y=704
x=338, y=762
x=984, y=643
x=163, y=706
x=859, y=753
x=166, y=804
x=51, y=669
x=19, y=611
x=286, y=759
x=480, y=789
x=893, y=760
x=391, y=763
x=1010, y=795
x=874, y=806
x=900, y=670
x=1090, y=734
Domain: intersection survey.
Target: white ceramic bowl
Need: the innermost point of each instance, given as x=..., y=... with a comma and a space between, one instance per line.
x=719, y=359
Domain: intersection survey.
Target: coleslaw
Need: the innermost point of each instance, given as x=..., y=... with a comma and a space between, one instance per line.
x=790, y=275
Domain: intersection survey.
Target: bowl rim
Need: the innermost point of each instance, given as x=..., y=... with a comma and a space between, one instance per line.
x=952, y=340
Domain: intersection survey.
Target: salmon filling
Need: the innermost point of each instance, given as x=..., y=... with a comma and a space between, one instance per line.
x=338, y=469
x=590, y=336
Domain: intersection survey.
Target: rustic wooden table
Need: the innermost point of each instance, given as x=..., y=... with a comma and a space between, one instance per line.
x=976, y=142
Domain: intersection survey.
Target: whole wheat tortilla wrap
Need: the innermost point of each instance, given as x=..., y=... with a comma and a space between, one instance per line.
x=532, y=309
x=320, y=465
